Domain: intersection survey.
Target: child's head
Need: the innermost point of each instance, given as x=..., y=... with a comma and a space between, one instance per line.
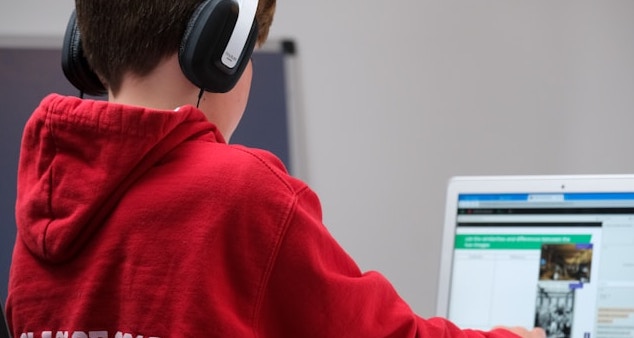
x=133, y=36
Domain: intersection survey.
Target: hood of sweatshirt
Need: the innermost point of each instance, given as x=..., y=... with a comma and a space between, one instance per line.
x=78, y=157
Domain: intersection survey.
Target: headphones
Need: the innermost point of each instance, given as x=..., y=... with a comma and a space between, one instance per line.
x=215, y=49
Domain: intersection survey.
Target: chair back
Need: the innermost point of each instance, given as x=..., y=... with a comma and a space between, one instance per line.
x=4, y=328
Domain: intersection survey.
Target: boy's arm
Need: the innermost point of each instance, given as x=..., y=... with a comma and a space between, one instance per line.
x=316, y=290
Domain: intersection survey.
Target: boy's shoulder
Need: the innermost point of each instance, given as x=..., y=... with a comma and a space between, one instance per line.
x=267, y=164
x=234, y=166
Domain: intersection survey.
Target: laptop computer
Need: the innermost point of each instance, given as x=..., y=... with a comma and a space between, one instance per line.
x=550, y=251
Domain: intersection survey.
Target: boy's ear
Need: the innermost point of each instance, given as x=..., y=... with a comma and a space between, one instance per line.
x=218, y=43
x=74, y=64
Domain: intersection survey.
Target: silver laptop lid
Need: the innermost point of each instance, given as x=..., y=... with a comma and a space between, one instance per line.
x=549, y=251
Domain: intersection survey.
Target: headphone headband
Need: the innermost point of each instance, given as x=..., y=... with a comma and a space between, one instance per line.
x=238, y=39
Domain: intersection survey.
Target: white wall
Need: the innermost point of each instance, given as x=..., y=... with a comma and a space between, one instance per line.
x=397, y=96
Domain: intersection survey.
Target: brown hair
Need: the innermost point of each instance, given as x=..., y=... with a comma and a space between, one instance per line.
x=121, y=36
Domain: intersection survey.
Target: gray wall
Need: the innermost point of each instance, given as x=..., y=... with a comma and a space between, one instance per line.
x=397, y=96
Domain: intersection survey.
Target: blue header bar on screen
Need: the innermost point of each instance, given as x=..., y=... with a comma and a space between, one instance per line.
x=613, y=196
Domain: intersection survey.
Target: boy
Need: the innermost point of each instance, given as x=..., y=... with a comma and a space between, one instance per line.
x=137, y=219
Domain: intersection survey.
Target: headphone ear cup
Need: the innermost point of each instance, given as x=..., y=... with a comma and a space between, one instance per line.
x=74, y=64
x=204, y=42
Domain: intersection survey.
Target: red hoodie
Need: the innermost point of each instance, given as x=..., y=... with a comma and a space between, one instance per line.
x=142, y=223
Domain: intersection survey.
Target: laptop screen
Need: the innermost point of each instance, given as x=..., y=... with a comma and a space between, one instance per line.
x=561, y=260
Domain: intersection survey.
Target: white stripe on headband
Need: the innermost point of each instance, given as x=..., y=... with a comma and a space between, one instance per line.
x=238, y=39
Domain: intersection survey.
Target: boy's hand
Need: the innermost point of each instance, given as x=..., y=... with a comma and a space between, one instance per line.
x=524, y=333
